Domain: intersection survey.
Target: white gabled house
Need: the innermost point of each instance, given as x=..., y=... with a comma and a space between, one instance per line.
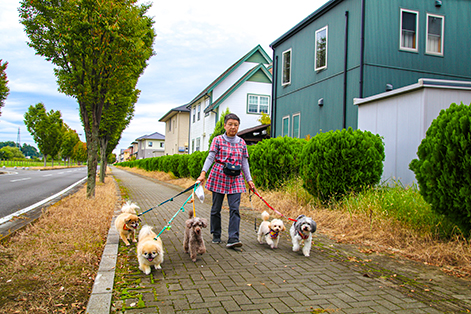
x=245, y=88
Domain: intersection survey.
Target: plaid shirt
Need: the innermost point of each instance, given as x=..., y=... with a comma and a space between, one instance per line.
x=226, y=152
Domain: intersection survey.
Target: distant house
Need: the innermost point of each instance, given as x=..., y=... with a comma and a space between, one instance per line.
x=359, y=48
x=403, y=116
x=244, y=88
x=176, y=130
x=152, y=145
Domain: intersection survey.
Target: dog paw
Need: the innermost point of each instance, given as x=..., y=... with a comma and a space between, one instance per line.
x=134, y=240
x=158, y=267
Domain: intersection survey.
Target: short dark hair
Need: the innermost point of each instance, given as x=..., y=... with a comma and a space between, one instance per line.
x=231, y=116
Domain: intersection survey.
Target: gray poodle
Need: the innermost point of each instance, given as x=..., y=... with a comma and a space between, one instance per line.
x=193, y=242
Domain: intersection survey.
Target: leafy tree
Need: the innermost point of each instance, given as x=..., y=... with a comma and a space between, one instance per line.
x=30, y=151
x=265, y=119
x=8, y=143
x=80, y=152
x=4, y=90
x=116, y=117
x=69, y=140
x=11, y=153
x=46, y=129
x=219, y=128
x=96, y=46
x=443, y=169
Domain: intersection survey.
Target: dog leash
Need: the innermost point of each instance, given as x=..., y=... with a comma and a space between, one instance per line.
x=168, y=225
x=170, y=199
x=269, y=205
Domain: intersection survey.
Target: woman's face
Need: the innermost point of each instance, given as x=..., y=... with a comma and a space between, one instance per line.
x=231, y=127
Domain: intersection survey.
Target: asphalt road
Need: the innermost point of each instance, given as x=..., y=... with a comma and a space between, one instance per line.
x=19, y=189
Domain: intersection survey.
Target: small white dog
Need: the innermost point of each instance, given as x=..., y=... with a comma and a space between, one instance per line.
x=129, y=208
x=270, y=230
x=149, y=250
x=301, y=231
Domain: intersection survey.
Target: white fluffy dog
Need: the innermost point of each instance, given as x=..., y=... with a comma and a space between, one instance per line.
x=301, y=231
x=149, y=250
x=129, y=207
x=270, y=230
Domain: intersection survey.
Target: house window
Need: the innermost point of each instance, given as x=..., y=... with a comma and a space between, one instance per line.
x=286, y=62
x=257, y=104
x=321, y=49
x=193, y=146
x=170, y=125
x=285, y=126
x=194, y=114
x=296, y=128
x=198, y=144
x=199, y=112
x=150, y=144
x=409, y=30
x=161, y=145
x=435, y=28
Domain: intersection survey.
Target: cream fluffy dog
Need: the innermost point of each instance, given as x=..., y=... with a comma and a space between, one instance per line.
x=149, y=250
x=127, y=222
x=301, y=233
x=270, y=230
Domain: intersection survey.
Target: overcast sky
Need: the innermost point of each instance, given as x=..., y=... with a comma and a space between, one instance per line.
x=196, y=41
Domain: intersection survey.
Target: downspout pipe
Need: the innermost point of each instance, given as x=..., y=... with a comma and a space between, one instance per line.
x=273, y=94
x=345, y=73
x=362, y=46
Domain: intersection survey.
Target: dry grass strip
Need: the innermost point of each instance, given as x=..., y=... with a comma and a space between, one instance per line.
x=50, y=266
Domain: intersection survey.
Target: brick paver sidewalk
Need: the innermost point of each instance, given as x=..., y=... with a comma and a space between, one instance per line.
x=256, y=279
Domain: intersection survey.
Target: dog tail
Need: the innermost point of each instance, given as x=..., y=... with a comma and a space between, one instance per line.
x=190, y=214
x=265, y=215
x=129, y=207
x=145, y=231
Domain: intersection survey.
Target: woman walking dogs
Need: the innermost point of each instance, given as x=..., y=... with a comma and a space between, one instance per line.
x=229, y=152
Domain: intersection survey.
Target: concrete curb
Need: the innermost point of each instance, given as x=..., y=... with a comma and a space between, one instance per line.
x=100, y=298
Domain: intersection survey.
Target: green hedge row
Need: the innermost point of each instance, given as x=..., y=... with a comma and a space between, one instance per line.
x=331, y=164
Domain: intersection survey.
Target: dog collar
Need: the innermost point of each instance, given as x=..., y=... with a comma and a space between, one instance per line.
x=126, y=227
x=302, y=235
x=273, y=234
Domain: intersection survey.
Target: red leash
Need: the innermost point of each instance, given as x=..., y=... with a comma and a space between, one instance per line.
x=270, y=206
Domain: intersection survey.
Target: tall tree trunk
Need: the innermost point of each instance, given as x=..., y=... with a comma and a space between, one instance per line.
x=92, y=161
x=104, y=161
x=45, y=159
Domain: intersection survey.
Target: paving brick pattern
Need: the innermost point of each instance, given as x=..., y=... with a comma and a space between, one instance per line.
x=256, y=279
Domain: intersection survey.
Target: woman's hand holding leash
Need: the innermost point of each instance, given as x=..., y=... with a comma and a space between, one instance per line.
x=201, y=178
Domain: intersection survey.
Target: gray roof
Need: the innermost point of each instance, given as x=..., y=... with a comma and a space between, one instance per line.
x=153, y=136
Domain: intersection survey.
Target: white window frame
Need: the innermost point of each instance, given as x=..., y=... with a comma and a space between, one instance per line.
x=149, y=144
x=193, y=145
x=299, y=125
x=258, y=103
x=427, y=47
x=326, y=45
x=283, y=131
x=283, y=61
x=198, y=144
x=194, y=114
x=401, y=47
x=199, y=112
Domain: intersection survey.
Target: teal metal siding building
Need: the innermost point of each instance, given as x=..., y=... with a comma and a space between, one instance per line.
x=358, y=48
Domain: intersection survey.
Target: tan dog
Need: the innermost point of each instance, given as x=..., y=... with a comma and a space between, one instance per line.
x=127, y=222
x=149, y=250
x=193, y=242
x=270, y=230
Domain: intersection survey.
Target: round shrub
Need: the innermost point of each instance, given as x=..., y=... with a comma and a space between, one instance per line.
x=443, y=169
x=339, y=162
x=183, y=171
x=196, y=162
x=273, y=161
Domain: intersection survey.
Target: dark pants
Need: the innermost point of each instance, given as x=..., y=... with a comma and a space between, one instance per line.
x=234, y=216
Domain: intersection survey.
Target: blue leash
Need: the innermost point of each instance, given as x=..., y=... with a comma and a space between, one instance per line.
x=168, y=225
x=170, y=199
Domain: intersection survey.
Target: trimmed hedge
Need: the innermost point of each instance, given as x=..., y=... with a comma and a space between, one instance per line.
x=274, y=161
x=339, y=162
x=443, y=169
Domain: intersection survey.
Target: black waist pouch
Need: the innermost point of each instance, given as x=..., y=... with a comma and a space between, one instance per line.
x=231, y=169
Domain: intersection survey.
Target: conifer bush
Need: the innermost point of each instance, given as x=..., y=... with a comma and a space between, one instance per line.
x=196, y=162
x=339, y=162
x=275, y=160
x=443, y=167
